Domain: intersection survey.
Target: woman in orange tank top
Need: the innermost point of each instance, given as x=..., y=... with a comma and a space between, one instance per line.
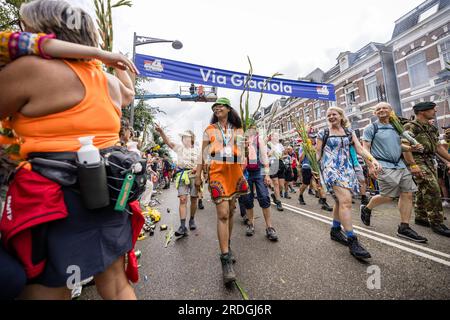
x=52, y=103
x=222, y=143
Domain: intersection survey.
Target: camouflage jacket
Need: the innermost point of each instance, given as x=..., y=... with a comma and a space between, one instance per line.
x=428, y=136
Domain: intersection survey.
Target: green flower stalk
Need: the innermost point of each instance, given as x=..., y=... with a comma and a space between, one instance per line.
x=395, y=121
x=307, y=145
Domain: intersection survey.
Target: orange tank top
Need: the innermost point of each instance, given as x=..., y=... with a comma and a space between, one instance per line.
x=96, y=115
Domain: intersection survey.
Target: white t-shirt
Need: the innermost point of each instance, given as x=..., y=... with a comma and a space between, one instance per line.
x=276, y=151
x=187, y=157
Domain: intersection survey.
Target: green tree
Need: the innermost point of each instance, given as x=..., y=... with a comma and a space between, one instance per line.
x=9, y=14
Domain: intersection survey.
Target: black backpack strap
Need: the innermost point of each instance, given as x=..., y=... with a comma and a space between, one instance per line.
x=349, y=135
x=326, y=134
x=375, y=130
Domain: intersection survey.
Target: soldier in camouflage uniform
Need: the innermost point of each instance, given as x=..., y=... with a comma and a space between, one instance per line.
x=427, y=205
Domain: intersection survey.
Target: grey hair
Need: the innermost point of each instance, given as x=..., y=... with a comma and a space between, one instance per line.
x=68, y=23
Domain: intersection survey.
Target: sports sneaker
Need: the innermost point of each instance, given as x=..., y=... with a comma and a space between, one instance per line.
x=301, y=200
x=192, y=225
x=200, y=204
x=227, y=268
x=273, y=197
x=311, y=192
x=279, y=206
x=441, y=229
x=422, y=222
x=271, y=234
x=250, y=230
x=325, y=205
x=287, y=196
x=338, y=235
x=356, y=249
x=408, y=233
x=365, y=214
x=364, y=200
x=181, y=232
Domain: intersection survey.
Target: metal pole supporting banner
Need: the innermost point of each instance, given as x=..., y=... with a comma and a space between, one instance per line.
x=132, y=102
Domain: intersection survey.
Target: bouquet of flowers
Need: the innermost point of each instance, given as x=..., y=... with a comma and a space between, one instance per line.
x=396, y=123
x=307, y=146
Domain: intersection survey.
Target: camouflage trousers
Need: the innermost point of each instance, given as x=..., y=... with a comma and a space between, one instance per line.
x=428, y=202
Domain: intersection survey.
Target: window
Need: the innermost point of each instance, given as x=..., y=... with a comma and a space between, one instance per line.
x=371, y=88
x=418, y=70
x=317, y=111
x=445, y=52
x=350, y=95
x=332, y=103
x=306, y=114
x=428, y=13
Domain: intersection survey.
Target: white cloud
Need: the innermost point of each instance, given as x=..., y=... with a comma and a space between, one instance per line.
x=290, y=36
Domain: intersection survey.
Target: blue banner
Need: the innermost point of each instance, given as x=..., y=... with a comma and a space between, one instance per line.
x=167, y=69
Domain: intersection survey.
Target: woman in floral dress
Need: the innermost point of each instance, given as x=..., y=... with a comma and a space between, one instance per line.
x=333, y=150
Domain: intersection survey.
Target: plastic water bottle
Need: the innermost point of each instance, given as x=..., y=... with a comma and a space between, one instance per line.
x=92, y=175
x=88, y=154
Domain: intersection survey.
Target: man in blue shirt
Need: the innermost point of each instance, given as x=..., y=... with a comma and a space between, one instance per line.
x=394, y=180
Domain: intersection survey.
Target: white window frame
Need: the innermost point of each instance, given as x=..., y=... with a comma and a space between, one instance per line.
x=426, y=83
x=306, y=114
x=318, y=107
x=441, y=54
x=369, y=80
x=428, y=13
x=347, y=91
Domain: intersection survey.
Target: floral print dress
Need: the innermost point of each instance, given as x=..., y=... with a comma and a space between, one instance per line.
x=336, y=163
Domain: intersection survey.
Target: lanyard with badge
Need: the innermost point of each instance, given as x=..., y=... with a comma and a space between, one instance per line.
x=226, y=137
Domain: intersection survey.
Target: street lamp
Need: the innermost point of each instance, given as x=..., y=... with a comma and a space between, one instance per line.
x=139, y=41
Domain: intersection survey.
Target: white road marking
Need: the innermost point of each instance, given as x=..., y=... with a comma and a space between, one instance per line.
x=411, y=244
x=364, y=233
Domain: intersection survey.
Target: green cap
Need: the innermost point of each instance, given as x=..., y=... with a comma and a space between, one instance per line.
x=223, y=101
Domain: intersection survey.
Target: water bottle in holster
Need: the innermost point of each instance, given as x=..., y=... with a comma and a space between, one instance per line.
x=92, y=176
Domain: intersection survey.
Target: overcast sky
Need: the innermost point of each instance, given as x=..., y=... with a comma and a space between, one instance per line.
x=289, y=36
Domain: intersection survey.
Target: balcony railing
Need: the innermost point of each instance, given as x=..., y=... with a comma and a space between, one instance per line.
x=351, y=109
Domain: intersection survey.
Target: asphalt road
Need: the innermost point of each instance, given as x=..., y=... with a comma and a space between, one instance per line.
x=303, y=264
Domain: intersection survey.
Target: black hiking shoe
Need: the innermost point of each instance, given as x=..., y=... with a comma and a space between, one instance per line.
x=200, y=204
x=192, y=225
x=356, y=249
x=364, y=200
x=227, y=268
x=325, y=205
x=422, y=222
x=301, y=200
x=232, y=257
x=338, y=235
x=408, y=233
x=274, y=198
x=271, y=234
x=250, y=230
x=365, y=214
x=181, y=232
x=441, y=229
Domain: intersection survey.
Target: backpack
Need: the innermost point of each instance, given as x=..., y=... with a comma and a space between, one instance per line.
x=254, y=166
x=375, y=130
x=119, y=162
x=326, y=135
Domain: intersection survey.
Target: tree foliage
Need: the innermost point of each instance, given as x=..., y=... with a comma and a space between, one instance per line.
x=9, y=14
